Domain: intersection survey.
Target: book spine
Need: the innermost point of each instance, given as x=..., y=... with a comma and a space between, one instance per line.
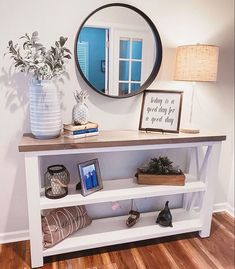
x=81, y=135
x=85, y=131
x=72, y=128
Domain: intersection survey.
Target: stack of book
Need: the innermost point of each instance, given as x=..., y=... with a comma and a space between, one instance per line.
x=79, y=131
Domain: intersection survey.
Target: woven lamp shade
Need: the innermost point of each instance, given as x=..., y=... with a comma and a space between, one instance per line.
x=196, y=63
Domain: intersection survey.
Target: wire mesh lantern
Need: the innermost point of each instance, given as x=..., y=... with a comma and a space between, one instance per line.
x=56, y=181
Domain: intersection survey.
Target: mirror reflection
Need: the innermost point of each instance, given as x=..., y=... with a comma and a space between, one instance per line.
x=116, y=51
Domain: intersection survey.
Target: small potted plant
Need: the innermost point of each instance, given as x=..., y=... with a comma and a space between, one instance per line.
x=45, y=65
x=160, y=171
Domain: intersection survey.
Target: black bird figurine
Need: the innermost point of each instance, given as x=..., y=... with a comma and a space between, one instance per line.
x=165, y=218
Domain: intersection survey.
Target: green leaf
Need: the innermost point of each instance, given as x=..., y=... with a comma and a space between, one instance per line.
x=57, y=65
x=67, y=56
x=62, y=41
x=67, y=50
x=18, y=64
x=53, y=50
x=25, y=44
x=27, y=36
x=49, y=64
x=24, y=37
x=12, y=50
x=38, y=46
x=35, y=33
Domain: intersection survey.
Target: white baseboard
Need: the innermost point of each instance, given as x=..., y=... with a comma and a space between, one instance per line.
x=24, y=235
x=220, y=207
x=14, y=236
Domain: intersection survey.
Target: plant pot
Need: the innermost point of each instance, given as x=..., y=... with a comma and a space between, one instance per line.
x=149, y=179
x=45, y=114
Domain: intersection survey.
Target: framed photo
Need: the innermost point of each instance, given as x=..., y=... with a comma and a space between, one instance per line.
x=161, y=111
x=90, y=177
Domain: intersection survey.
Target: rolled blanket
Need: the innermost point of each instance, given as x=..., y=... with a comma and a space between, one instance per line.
x=61, y=222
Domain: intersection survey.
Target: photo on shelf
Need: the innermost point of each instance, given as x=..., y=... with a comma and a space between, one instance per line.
x=90, y=177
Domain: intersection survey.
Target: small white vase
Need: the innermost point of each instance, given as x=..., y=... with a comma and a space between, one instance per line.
x=45, y=114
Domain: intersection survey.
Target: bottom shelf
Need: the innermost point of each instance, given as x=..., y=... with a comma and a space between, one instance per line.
x=112, y=231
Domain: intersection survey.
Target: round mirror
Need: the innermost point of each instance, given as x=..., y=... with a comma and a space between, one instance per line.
x=118, y=50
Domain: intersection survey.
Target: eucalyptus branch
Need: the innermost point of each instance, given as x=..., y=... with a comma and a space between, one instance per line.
x=32, y=57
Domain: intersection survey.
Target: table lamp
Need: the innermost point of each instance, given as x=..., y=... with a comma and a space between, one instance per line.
x=196, y=63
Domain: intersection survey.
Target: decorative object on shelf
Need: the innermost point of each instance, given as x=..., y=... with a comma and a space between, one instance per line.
x=196, y=63
x=61, y=222
x=161, y=111
x=44, y=65
x=160, y=171
x=45, y=114
x=133, y=216
x=80, y=131
x=90, y=177
x=56, y=181
x=78, y=186
x=80, y=110
x=165, y=218
x=72, y=127
x=115, y=206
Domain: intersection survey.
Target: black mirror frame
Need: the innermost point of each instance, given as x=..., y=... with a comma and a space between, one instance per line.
x=158, y=59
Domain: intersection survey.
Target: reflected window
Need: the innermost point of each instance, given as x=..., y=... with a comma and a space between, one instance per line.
x=130, y=64
x=124, y=70
x=124, y=49
x=123, y=88
x=137, y=49
x=83, y=54
x=135, y=86
x=136, y=71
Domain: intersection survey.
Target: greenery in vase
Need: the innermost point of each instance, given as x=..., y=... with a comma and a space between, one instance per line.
x=33, y=57
x=160, y=166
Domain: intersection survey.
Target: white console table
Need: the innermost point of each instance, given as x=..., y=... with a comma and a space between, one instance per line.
x=200, y=183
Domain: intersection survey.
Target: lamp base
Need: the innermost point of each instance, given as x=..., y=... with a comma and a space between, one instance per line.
x=190, y=130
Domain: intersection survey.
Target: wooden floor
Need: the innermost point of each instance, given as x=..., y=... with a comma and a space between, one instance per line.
x=178, y=252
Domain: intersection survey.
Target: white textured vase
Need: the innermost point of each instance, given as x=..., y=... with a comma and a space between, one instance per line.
x=45, y=114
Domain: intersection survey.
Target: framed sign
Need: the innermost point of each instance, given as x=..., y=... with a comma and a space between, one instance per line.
x=161, y=111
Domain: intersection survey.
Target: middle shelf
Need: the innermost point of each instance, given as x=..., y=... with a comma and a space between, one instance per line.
x=121, y=189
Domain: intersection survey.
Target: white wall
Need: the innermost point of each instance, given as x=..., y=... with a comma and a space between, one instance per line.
x=178, y=22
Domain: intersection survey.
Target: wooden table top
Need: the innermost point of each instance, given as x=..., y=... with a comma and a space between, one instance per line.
x=113, y=139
